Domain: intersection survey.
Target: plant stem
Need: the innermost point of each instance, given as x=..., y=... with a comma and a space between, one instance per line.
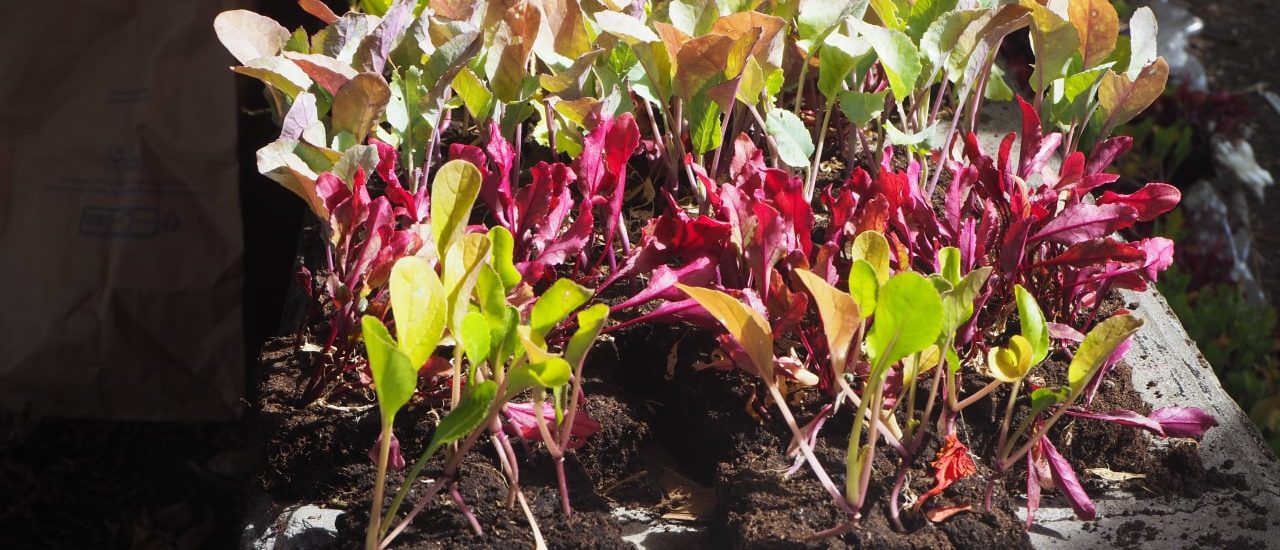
x=817, y=152
x=375, y=510
x=803, y=442
x=466, y=512
x=990, y=387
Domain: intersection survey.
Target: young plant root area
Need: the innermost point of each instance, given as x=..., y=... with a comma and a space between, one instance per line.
x=701, y=446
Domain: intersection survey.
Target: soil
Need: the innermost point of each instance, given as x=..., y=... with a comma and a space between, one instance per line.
x=702, y=446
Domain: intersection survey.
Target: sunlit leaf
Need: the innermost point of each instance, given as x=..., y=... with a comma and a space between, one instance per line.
x=1034, y=326
x=590, y=323
x=625, y=27
x=908, y=318
x=840, y=316
x=840, y=55
x=1097, y=347
x=468, y=415
x=793, y=139
x=418, y=306
x=1053, y=40
x=557, y=302
x=359, y=104
x=864, y=286
x=744, y=324
x=1011, y=363
x=394, y=378
x=249, y=36
x=873, y=247
x=1098, y=26
x=1121, y=98
x=453, y=193
x=475, y=96
x=476, y=337
x=898, y=56
x=1142, y=41
x=862, y=107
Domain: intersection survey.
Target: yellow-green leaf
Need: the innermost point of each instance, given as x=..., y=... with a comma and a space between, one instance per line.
x=873, y=247
x=840, y=316
x=743, y=323
x=1098, y=26
x=1010, y=364
x=394, y=378
x=908, y=319
x=453, y=193
x=1120, y=99
x=1097, y=347
x=418, y=306
x=864, y=286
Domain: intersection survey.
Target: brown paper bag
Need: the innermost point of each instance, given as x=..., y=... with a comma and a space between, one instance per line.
x=120, y=236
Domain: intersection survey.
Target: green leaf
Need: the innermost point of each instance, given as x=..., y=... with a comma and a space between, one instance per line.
x=898, y=56
x=949, y=259
x=1097, y=347
x=476, y=337
x=927, y=137
x=692, y=17
x=938, y=42
x=590, y=322
x=1011, y=364
x=550, y=373
x=277, y=72
x=1043, y=398
x=1054, y=41
x=1034, y=327
x=908, y=319
x=924, y=13
x=555, y=304
x=839, y=54
x=794, y=143
x=744, y=324
x=861, y=107
x=840, y=316
x=704, y=124
x=873, y=247
x=864, y=286
x=477, y=98
x=957, y=303
x=375, y=7
x=471, y=412
x=502, y=248
x=394, y=378
x=418, y=306
x=453, y=193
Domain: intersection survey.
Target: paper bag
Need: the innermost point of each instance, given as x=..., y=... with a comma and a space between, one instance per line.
x=120, y=235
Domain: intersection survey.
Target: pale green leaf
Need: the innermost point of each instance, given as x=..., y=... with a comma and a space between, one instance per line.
x=862, y=107
x=898, y=56
x=469, y=414
x=873, y=247
x=1034, y=326
x=794, y=142
x=557, y=302
x=864, y=286
x=590, y=323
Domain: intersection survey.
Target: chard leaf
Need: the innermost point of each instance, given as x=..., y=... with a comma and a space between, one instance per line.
x=840, y=316
x=1053, y=40
x=555, y=304
x=590, y=322
x=249, y=36
x=908, y=319
x=1034, y=327
x=744, y=324
x=794, y=142
x=864, y=286
x=1097, y=347
x=692, y=17
x=949, y=262
x=840, y=55
x=552, y=372
x=394, y=378
x=924, y=13
x=359, y=104
x=861, y=107
x=819, y=16
x=704, y=123
x=625, y=27
x=898, y=56
x=944, y=34
x=476, y=98
x=278, y=73
x=1065, y=478
x=1178, y=421
x=476, y=337
x=502, y=247
x=873, y=247
x=453, y=193
x=418, y=306
x=1011, y=363
x=957, y=303
x=469, y=414
x=1098, y=26
x=460, y=265
x=700, y=64
x=1121, y=98
x=1142, y=41
x=1043, y=398
x=1084, y=221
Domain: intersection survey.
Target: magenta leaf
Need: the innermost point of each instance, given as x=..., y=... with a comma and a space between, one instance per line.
x=1153, y=200
x=1082, y=222
x=1096, y=251
x=1179, y=421
x=1065, y=478
x=1123, y=417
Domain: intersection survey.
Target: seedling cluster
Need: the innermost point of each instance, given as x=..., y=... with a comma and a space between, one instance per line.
x=819, y=199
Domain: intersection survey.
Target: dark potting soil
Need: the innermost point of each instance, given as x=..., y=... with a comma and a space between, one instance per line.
x=703, y=445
